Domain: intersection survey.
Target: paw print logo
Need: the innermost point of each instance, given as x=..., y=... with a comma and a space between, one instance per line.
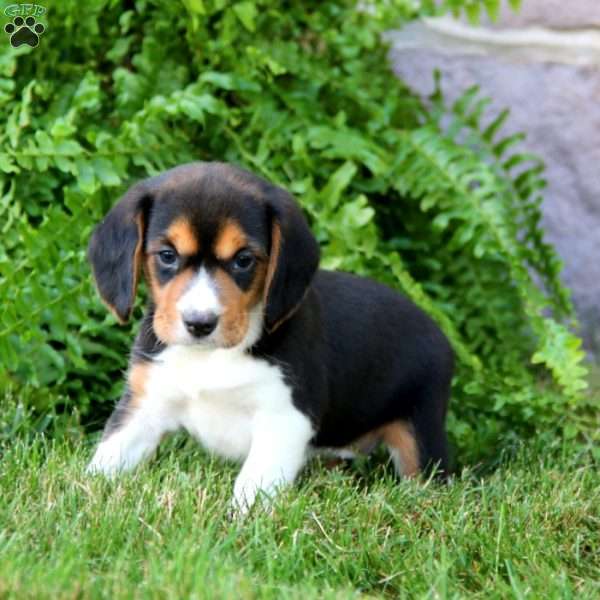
x=24, y=31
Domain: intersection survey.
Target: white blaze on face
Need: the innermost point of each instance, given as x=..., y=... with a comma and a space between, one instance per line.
x=201, y=296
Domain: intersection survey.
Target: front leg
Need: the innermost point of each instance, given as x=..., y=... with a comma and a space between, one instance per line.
x=131, y=435
x=277, y=453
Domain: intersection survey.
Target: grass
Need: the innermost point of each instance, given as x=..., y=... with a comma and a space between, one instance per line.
x=531, y=529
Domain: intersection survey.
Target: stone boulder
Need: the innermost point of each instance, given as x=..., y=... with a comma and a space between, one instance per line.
x=543, y=64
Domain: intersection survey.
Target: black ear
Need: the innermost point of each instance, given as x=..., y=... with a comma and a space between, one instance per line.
x=293, y=258
x=115, y=250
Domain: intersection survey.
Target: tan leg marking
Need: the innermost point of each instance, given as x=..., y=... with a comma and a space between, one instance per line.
x=366, y=443
x=400, y=439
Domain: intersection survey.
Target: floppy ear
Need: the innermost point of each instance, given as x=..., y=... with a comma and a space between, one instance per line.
x=293, y=259
x=115, y=250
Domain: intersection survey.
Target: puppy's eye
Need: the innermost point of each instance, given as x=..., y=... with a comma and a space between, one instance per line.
x=243, y=261
x=167, y=257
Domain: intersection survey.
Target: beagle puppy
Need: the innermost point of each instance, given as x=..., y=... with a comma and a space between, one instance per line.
x=249, y=347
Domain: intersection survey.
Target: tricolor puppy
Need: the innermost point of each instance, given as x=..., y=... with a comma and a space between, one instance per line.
x=252, y=349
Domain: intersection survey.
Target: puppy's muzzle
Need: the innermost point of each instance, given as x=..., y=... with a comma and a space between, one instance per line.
x=200, y=324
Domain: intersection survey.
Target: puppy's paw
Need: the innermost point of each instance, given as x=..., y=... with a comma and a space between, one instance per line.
x=240, y=507
x=107, y=461
x=258, y=502
x=237, y=513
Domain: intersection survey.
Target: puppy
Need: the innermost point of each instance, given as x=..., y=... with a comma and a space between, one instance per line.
x=249, y=347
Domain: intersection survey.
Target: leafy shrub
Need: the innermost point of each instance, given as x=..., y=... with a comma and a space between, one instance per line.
x=420, y=195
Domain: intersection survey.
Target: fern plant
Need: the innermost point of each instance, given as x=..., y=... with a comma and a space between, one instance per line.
x=426, y=197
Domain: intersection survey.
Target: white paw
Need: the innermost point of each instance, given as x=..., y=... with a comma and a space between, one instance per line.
x=251, y=491
x=241, y=505
x=243, y=499
x=237, y=512
x=107, y=460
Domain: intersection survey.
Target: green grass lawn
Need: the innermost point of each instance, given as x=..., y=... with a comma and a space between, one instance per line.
x=531, y=529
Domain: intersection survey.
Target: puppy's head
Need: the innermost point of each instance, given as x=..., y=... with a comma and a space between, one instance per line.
x=225, y=254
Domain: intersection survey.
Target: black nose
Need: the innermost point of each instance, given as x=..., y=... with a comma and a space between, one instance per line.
x=200, y=324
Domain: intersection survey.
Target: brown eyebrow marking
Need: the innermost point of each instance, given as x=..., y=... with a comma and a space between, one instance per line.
x=182, y=236
x=231, y=238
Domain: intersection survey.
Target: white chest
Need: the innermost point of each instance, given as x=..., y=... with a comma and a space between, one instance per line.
x=217, y=396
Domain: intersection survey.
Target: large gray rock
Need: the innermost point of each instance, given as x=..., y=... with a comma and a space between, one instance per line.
x=557, y=14
x=557, y=105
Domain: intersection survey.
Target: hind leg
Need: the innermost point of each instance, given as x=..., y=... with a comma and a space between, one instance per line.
x=399, y=437
x=419, y=443
x=429, y=420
